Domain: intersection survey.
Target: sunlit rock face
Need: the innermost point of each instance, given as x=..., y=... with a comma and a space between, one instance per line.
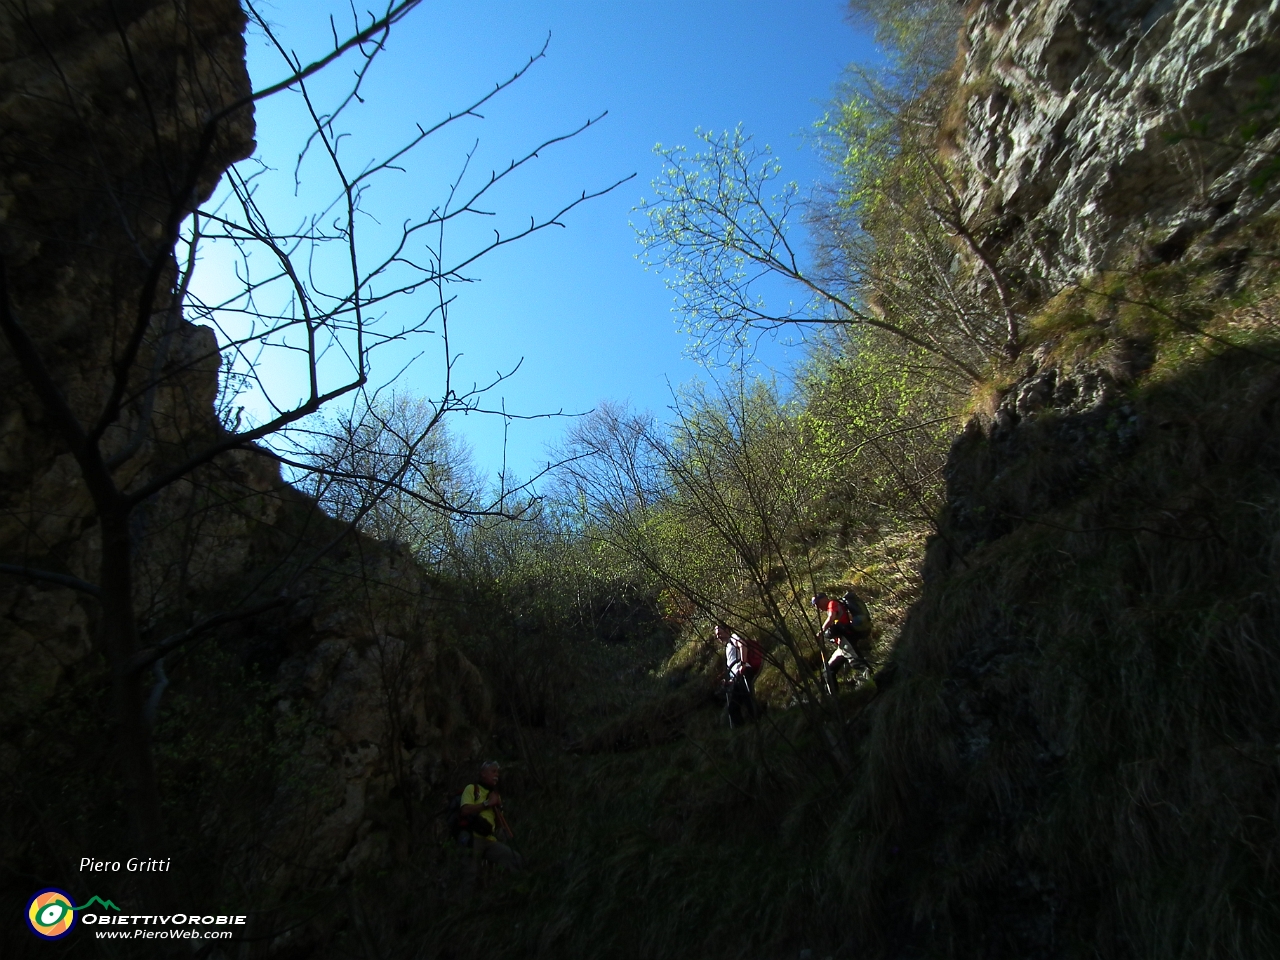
x=1081, y=125
x=1094, y=136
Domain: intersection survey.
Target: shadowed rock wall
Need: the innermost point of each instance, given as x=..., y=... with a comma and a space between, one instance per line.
x=1075, y=750
x=103, y=113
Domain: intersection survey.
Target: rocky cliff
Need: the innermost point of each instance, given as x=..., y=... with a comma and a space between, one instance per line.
x=1077, y=751
x=1093, y=132
x=281, y=739
x=98, y=107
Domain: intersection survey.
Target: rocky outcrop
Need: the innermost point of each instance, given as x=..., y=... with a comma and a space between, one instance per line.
x=1077, y=752
x=1082, y=126
x=101, y=108
x=1058, y=429
x=354, y=692
x=1082, y=723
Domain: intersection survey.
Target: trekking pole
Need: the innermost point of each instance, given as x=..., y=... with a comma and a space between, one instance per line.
x=502, y=822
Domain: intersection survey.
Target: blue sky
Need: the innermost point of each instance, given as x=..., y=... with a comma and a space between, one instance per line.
x=573, y=307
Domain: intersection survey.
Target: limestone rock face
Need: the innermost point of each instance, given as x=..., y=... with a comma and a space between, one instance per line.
x=389, y=716
x=1082, y=124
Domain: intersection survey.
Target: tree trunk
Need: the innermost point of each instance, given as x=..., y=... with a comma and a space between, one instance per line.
x=119, y=641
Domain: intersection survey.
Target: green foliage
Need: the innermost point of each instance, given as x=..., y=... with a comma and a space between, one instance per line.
x=881, y=429
x=750, y=502
x=721, y=213
x=889, y=249
x=859, y=140
x=718, y=508
x=917, y=36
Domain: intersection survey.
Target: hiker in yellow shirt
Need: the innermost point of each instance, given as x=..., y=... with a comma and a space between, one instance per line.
x=480, y=811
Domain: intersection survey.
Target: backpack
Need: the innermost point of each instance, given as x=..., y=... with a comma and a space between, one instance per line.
x=754, y=658
x=456, y=823
x=859, y=616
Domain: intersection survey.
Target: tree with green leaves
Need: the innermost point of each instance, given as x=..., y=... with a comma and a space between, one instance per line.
x=720, y=231
x=718, y=509
x=890, y=248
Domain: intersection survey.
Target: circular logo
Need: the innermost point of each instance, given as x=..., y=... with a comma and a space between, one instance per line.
x=50, y=914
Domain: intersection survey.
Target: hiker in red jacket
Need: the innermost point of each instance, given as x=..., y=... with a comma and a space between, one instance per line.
x=838, y=627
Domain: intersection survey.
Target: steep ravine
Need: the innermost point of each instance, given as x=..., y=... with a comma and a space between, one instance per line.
x=1074, y=751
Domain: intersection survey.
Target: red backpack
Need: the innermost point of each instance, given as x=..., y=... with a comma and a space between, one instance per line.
x=754, y=656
